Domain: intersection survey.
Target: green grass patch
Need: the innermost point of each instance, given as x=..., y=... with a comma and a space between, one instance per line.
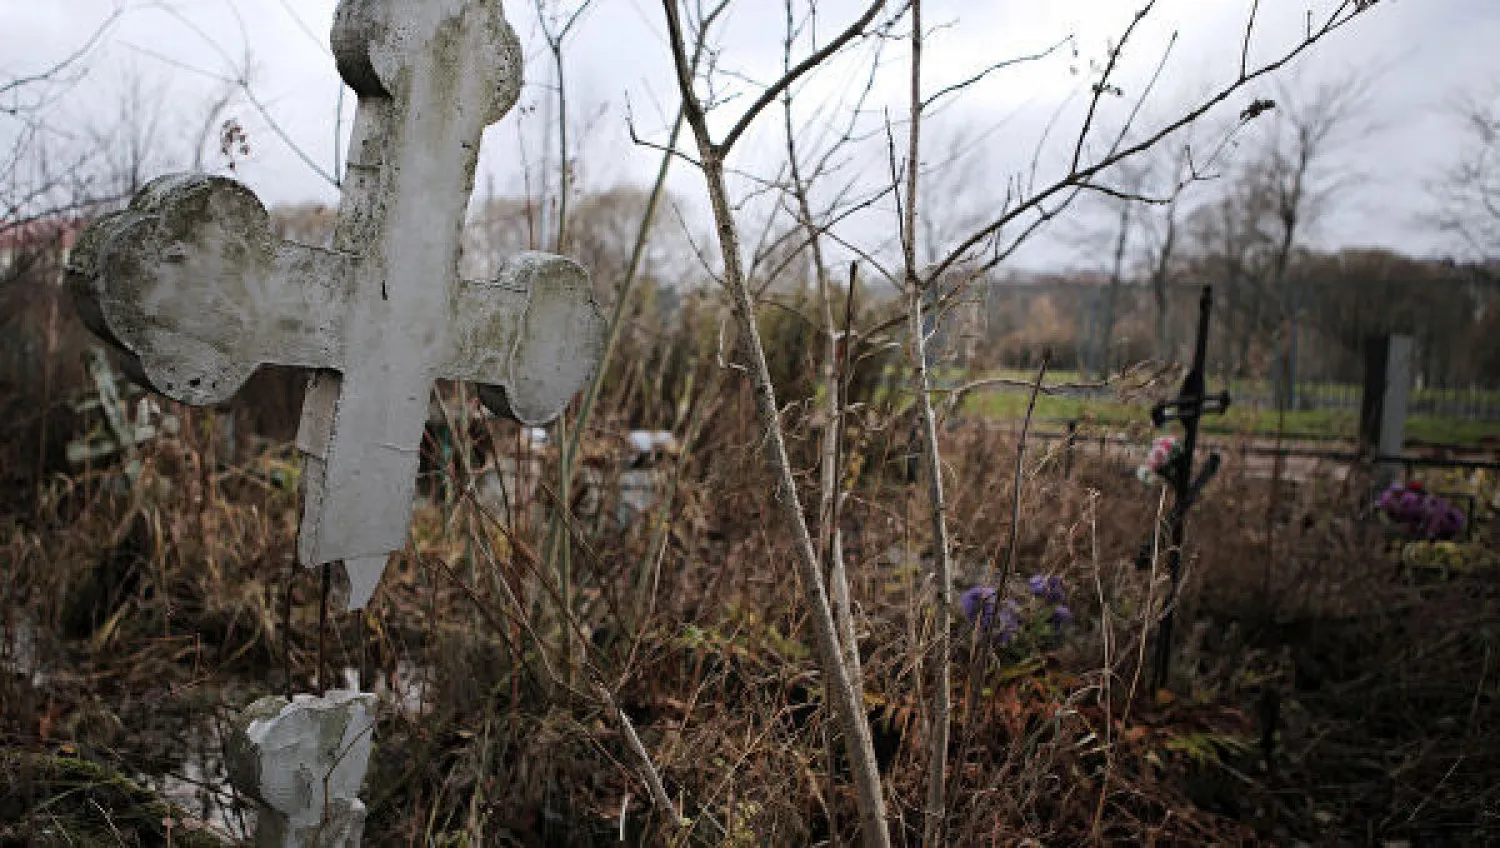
x=1011, y=405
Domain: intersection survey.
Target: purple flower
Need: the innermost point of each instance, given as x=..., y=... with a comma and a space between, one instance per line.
x=1047, y=587
x=1409, y=507
x=979, y=607
x=1010, y=622
x=975, y=599
x=1388, y=499
x=1456, y=520
x=1061, y=615
x=1423, y=515
x=1442, y=521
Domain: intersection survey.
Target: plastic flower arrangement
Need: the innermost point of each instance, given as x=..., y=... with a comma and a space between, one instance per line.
x=1038, y=618
x=1048, y=587
x=1420, y=514
x=1164, y=453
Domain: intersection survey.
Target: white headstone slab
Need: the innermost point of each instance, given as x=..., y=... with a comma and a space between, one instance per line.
x=190, y=283
x=302, y=762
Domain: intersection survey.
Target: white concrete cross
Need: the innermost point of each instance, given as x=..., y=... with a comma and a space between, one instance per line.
x=191, y=284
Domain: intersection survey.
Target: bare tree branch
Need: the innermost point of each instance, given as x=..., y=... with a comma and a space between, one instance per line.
x=817, y=58
x=1079, y=175
x=848, y=702
x=998, y=66
x=67, y=61
x=1103, y=87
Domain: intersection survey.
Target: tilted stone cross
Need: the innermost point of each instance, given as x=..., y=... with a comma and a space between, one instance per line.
x=190, y=283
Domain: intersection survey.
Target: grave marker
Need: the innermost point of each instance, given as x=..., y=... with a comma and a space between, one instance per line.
x=1190, y=405
x=301, y=762
x=1382, y=414
x=191, y=285
x=125, y=434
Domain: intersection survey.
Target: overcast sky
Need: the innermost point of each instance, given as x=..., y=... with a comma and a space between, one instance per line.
x=1421, y=55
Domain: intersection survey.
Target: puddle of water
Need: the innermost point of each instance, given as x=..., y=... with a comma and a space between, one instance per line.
x=200, y=785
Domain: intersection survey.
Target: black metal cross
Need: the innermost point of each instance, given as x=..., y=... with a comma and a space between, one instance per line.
x=1190, y=405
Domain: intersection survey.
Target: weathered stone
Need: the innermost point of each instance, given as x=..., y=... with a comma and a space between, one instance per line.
x=1387, y=390
x=190, y=283
x=302, y=763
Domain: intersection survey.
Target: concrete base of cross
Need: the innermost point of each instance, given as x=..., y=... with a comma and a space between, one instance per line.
x=302, y=762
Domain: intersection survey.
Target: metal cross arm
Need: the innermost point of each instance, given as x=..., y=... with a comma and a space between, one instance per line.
x=1193, y=401
x=1181, y=408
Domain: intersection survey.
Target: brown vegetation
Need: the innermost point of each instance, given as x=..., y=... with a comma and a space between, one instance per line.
x=559, y=670
x=158, y=609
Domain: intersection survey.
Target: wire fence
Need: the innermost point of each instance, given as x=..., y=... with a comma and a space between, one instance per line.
x=1471, y=404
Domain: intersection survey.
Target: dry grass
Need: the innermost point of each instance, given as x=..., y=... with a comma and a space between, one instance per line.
x=159, y=609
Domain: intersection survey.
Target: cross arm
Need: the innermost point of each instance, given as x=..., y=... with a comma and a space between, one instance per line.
x=191, y=285
x=1189, y=406
x=378, y=43
x=531, y=337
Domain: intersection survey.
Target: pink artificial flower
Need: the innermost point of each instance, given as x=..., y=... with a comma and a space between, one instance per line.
x=1162, y=451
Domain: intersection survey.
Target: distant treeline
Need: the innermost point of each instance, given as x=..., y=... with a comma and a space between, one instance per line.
x=1452, y=311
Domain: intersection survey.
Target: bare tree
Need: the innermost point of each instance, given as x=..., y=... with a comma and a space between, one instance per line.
x=1160, y=253
x=42, y=175
x=848, y=702
x=1124, y=218
x=935, y=813
x=837, y=335
x=1126, y=221
x=988, y=245
x=1296, y=172
x=1224, y=242
x=557, y=24
x=134, y=145
x=1466, y=197
x=1026, y=208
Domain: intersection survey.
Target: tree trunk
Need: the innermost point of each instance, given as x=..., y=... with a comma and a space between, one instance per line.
x=848, y=703
x=1112, y=294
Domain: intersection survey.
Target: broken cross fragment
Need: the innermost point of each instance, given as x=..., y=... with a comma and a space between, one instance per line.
x=302, y=762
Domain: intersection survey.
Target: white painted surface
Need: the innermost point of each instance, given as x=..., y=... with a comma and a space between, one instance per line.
x=648, y=442
x=303, y=763
x=190, y=283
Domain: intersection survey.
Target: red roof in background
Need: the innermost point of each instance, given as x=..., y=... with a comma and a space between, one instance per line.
x=43, y=232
